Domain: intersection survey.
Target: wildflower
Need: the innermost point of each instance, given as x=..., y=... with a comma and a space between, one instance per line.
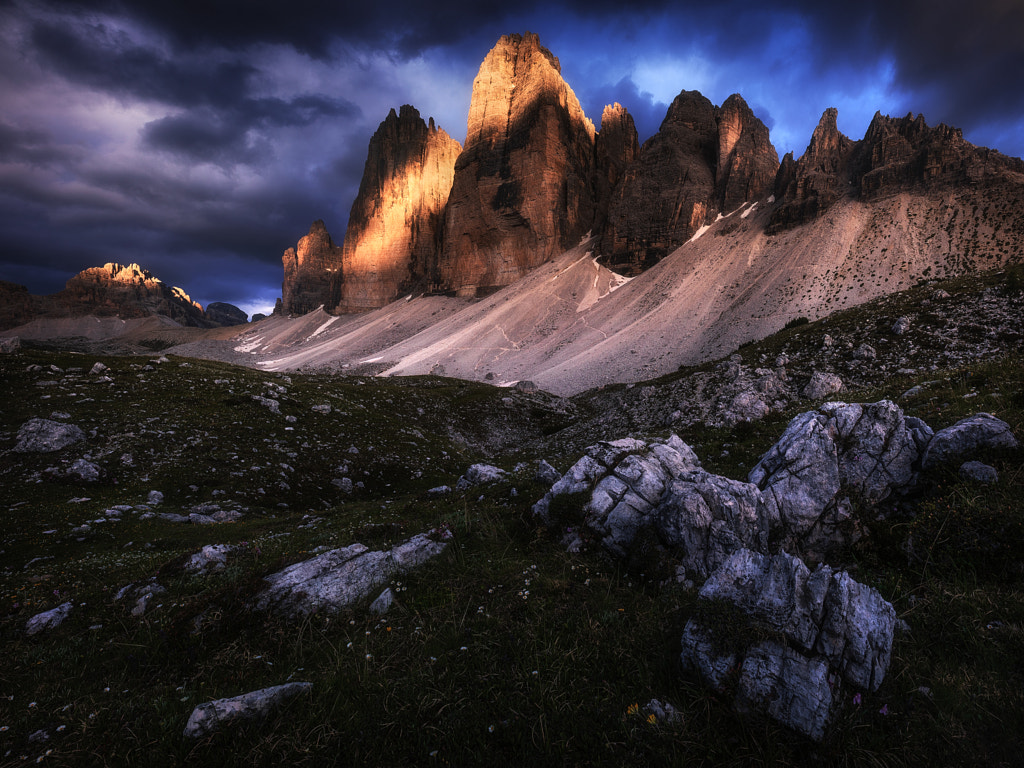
x=856, y=699
x=632, y=709
x=651, y=719
x=884, y=710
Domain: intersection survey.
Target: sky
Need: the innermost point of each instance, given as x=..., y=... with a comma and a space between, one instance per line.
x=201, y=138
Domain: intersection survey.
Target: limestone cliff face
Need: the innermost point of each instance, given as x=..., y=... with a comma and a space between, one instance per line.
x=747, y=161
x=312, y=273
x=806, y=187
x=703, y=159
x=895, y=155
x=522, y=191
x=396, y=219
x=615, y=148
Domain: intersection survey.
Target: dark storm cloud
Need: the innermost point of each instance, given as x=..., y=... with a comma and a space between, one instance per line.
x=200, y=138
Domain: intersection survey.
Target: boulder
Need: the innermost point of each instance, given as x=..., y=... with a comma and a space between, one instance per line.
x=982, y=431
x=704, y=518
x=340, y=578
x=822, y=384
x=256, y=705
x=212, y=557
x=82, y=471
x=625, y=479
x=821, y=626
x=45, y=436
x=978, y=472
x=48, y=620
x=9, y=344
x=480, y=474
x=824, y=458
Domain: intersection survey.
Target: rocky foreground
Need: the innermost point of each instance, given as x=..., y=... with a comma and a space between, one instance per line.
x=272, y=557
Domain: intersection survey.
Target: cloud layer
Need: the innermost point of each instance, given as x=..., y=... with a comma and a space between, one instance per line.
x=200, y=139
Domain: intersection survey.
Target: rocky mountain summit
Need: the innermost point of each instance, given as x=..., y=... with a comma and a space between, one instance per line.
x=895, y=155
x=724, y=242
x=113, y=290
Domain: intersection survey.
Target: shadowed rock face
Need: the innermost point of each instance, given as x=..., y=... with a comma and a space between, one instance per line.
x=896, y=154
x=113, y=290
x=222, y=313
x=395, y=222
x=522, y=189
x=312, y=273
x=703, y=159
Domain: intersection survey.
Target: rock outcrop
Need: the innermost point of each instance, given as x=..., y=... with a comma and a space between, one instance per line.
x=340, y=578
x=312, y=273
x=704, y=159
x=822, y=627
x=222, y=313
x=396, y=220
x=522, y=188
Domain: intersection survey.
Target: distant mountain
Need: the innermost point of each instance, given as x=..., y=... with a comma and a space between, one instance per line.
x=113, y=290
x=535, y=178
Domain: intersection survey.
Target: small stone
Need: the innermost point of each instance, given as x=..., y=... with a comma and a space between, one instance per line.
x=257, y=705
x=978, y=472
x=48, y=620
x=865, y=352
x=154, y=498
x=383, y=603
x=97, y=369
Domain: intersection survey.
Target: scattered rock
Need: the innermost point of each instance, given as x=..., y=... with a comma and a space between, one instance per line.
x=154, y=498
x=341, y=577
x=822, y=385
x=982, y=431
x=978, y=472
x=45, y=436
x=704, y=518
x=526, y=387
x=324, y=409
x=440, y=490
x=97, y=369
x=865, y=352
x=274, y=406
x=212, y=557
x=256, y=705
x=9, y=344
x=48, y=620
x=480, y=474
x=81, y=471
x=901, y=326
x=344, y=484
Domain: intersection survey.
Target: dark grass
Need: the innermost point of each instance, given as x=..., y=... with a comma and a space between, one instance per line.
x=505, y=648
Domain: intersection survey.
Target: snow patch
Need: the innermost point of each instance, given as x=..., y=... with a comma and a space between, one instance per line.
x=250, y=346
x=771, y=199
x=698, y=233
x=322, y=328
x=748, y=211
x=372, y=360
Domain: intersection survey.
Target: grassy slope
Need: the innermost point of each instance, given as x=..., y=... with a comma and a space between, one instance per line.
x=503, y=647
